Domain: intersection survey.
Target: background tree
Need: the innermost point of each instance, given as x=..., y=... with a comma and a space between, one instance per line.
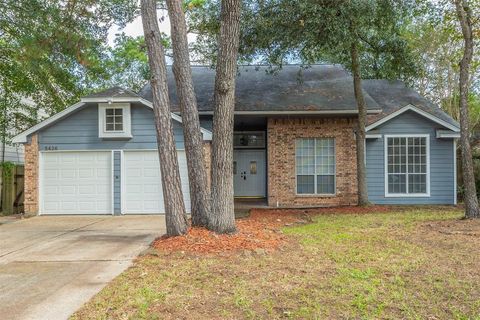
x=435, y=39
x=470, y=197
x=51, y=53
x=126, y=63
x=175, y=216
x=364, y=36
x=222, y=217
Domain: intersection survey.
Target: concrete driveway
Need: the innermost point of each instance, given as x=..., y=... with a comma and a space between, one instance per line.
x=51, y=265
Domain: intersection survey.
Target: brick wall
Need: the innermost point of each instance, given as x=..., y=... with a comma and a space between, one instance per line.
x=282, y=134
x=31, y=176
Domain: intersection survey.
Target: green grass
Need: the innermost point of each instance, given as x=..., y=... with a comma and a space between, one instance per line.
x=406, y=264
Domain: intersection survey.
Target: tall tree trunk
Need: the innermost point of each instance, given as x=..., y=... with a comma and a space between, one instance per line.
x=197, y=175
x=176, y=221
x=360, y=132
x=222, y=218
x=470, y=197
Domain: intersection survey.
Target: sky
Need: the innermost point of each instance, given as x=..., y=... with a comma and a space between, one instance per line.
x=135, y=28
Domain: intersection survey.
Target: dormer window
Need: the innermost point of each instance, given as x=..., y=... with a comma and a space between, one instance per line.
x=114, y=120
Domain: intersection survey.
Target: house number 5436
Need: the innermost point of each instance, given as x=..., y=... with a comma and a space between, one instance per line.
x=48, y=148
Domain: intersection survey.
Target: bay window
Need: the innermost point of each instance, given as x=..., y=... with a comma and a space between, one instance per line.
x=407, y=165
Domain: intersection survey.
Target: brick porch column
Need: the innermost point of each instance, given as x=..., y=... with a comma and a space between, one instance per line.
x=31, y=176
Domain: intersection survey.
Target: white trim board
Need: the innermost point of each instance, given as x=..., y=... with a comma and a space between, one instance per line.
x=414, y=109
x=455, y=172
x=385, y=169
x=23, y=137
x=447, y=134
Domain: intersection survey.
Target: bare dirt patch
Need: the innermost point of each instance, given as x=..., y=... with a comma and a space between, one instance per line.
x=462, y=227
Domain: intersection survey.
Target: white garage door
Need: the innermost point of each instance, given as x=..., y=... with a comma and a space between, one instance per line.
x=142, y=182
x=76, y=183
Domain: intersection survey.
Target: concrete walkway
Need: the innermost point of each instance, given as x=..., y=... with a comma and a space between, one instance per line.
x=51, y=265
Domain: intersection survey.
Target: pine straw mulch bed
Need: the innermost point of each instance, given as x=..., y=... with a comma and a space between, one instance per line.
x=259, y=232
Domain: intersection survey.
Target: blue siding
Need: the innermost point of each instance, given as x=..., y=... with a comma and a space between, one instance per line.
x=441, y=162
x=117, y=181
x=79, y=131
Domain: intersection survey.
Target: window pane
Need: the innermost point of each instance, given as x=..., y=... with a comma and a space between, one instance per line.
x=417, y=165
x=114, y=119
x=417, y=183
x=397, y=161
x=326, y=184
x=397, y=183
x=305, y=156
x=305, y=184
x=407, y=161
x=253, y=167
x=325, y=156
x=255, y=140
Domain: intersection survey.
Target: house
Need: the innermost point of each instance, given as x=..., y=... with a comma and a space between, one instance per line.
x=14, y=152
x=294, y=145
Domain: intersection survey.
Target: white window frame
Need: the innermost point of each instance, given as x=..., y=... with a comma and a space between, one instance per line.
x=126, y=120
x=315, y=194
x=385, y=155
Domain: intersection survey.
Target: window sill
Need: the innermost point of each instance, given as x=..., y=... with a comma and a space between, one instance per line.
x=116, y=136
x=325, y=195
x=407, y=195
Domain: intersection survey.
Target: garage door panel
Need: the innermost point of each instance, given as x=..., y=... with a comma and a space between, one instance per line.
x=86, y=173
x=143, y=188
x=76, y=183
x=66, y=190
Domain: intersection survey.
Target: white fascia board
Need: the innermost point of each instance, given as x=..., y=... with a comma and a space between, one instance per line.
x=207, y=134
x=373, y=136
x=301, y=112
x=414, y=109
x=22, y=137
x=447, y=134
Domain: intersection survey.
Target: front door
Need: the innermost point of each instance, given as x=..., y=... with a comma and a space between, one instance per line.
x=249, y=173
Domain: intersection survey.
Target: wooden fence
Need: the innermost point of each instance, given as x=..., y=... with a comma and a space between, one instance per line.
x=11, y=189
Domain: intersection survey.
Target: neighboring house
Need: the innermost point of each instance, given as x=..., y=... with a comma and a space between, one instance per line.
x=294, y=145
x=10, y=152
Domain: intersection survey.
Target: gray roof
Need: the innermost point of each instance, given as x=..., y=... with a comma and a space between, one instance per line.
x=316, y=88
x=393, y=95
x=117, y=92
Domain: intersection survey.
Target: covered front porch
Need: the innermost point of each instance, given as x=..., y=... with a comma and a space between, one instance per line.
x=250, y=159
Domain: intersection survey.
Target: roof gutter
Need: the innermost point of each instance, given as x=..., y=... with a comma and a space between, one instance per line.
x=301, y=112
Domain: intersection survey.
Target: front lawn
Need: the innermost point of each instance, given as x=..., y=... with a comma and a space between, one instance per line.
x=415, y=263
